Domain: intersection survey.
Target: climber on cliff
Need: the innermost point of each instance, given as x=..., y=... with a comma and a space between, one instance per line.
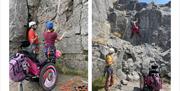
x=33, y=37
x=135, y=29
x=108, y=70
x=50, y=37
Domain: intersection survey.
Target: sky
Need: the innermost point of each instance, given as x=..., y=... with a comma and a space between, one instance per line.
x=156, y=1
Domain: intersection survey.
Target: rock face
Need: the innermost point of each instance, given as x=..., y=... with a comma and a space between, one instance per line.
x=99, y=17
x=154, y=22
x=112, y=29
x=17, y=19
x=154, y=25
x=70, y=16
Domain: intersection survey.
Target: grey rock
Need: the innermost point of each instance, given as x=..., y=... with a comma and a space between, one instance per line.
x=136, y=76
x=17, y=19
x=130, y=65
x=104, y=51
x=121, y=75
x=77, y=13
x=133, y=76
x=71, y=45
x=124, y=82
x=130, y=77
x=98, y=68
x=84, y=19
x=101, y=32
x=125, y=1
x=169, y=74
x=77, y=64
x=101, y=27
x=85, y=42
x=96, y=52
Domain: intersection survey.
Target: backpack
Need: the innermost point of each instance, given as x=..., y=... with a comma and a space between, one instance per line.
x=157, y=82
x=18, y=67
x=154, y=81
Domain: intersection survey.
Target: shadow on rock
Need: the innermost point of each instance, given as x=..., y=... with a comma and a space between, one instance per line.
x=136, y=89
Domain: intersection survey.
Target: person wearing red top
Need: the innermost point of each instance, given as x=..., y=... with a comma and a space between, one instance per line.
x=50, y=37
x=33, y=37
x=135, y=29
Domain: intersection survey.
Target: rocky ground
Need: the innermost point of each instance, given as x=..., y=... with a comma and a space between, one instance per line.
x=134, y=86
x=124, y=85
x=64, y=83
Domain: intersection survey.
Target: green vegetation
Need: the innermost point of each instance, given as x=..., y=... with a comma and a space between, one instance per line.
x=68, y=71
x=98, y=83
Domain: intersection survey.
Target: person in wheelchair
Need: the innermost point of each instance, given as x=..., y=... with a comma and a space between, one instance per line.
x=25, y=48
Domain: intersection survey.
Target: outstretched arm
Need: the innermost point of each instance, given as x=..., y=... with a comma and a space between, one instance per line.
x=60, y=37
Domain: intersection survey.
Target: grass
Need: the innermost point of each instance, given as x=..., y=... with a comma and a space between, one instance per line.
x=68, y=71
x=98, y=83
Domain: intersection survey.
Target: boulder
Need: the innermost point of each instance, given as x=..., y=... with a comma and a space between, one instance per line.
x=121, y=75
x=124, y=82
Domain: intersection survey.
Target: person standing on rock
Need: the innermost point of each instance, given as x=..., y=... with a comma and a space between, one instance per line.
x=50, y=37
x=135, y=29
x=109, y=70
x=33, y=37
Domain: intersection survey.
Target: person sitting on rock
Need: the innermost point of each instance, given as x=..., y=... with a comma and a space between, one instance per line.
x=135, y=29
x=50, y=37
x=109, y=70
x=33, y=37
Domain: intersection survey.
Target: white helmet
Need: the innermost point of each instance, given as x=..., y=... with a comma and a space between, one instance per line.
x=32, y=23
x=111, y=50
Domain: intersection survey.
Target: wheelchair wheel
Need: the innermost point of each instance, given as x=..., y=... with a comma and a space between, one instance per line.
x=48, y=77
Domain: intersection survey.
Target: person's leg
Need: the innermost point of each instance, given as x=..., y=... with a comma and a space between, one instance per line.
x=45, y=51
x=112, y=80
x=138, y=33
x=107, y=82
x=111, y=77
x=132, y=34
x=108, y=78
x=54, y=54
x=34, y=52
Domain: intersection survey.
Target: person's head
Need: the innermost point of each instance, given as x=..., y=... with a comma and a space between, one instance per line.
x=33, y=25
x=111, y=50
x=49, y=26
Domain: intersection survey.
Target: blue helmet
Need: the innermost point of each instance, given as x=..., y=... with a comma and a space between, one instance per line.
x=49, y=25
